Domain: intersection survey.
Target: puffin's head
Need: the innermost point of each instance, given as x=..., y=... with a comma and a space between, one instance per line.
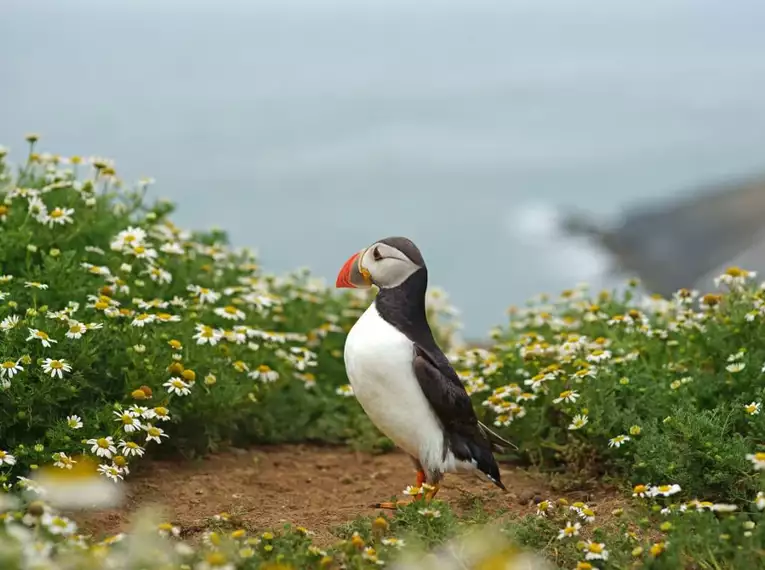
x=386, y=263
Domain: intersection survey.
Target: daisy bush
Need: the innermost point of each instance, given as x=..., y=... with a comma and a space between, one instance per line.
x=652, y=390
x=123, y=335
x=34, y=535
x=121, y=332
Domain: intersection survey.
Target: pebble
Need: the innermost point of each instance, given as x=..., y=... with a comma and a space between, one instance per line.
x=525, y=497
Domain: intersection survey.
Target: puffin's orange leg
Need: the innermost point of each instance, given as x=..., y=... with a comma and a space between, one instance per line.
x=394, y=504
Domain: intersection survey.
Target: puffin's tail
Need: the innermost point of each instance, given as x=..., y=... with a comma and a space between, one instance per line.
x=484, y=461
x=497, y=442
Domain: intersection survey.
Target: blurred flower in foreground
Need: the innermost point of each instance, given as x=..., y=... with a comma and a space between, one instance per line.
x=481, y=549
x=81, y=487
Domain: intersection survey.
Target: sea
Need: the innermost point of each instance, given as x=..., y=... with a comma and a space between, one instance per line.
x=308, y=129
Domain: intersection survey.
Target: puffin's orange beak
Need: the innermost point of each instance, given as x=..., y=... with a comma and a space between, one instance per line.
x=352, y=275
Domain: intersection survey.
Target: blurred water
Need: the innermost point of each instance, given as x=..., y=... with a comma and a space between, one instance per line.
x=310, y=128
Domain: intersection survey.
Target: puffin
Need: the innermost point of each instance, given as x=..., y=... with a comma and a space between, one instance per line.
x=401, y=377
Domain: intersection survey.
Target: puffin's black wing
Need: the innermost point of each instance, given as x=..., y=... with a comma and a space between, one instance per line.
x=451, y=404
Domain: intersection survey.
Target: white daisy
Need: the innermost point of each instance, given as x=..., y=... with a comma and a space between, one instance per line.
x=264, y=373
x=112, y=471
x=154, y=433
x=63, y=461
x=570, y=530
x=60, y=216
x=177, y=386
x=102, y=447
x=56, y=367
x=578, y=422
x=130, y=422
x=757, y=459
x=42, y=336
x=230, y=312
x=74, y=422
x=6, y=458
x=9, y=322
x=76, y=330
x=10, y=368
x=618, y=440
x=128, y=448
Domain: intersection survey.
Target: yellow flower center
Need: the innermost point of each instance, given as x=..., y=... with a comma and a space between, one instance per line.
x=264, y=368
x=230, y=309
x=759, y=456
x=56, y=364
x=9, y=364
x=711, y=299
x=595, y=547
x=57, y=213
x=216, y=558
x=42, y=335
x=657, y=549
x=103, y=443
x=127, y=419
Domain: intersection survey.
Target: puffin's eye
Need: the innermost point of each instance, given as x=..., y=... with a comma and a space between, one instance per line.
x=376, y=254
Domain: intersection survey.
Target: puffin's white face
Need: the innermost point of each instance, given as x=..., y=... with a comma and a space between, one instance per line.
x=379, y=264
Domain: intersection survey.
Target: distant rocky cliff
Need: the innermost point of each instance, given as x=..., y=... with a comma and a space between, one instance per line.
x=686, y=243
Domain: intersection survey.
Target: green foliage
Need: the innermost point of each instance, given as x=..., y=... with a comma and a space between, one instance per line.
x=122, y=334
x=147, y=332
x=652, y=391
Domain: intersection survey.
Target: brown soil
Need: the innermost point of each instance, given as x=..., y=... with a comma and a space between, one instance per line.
x=315, y=487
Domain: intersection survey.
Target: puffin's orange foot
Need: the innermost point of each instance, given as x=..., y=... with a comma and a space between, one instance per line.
x=430, y=491
x=400, y=503
x=392, y=505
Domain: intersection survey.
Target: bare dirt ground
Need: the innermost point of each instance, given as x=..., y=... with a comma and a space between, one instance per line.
x=315, y=487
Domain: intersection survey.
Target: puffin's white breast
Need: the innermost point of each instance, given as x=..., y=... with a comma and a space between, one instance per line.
x=378, y=360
